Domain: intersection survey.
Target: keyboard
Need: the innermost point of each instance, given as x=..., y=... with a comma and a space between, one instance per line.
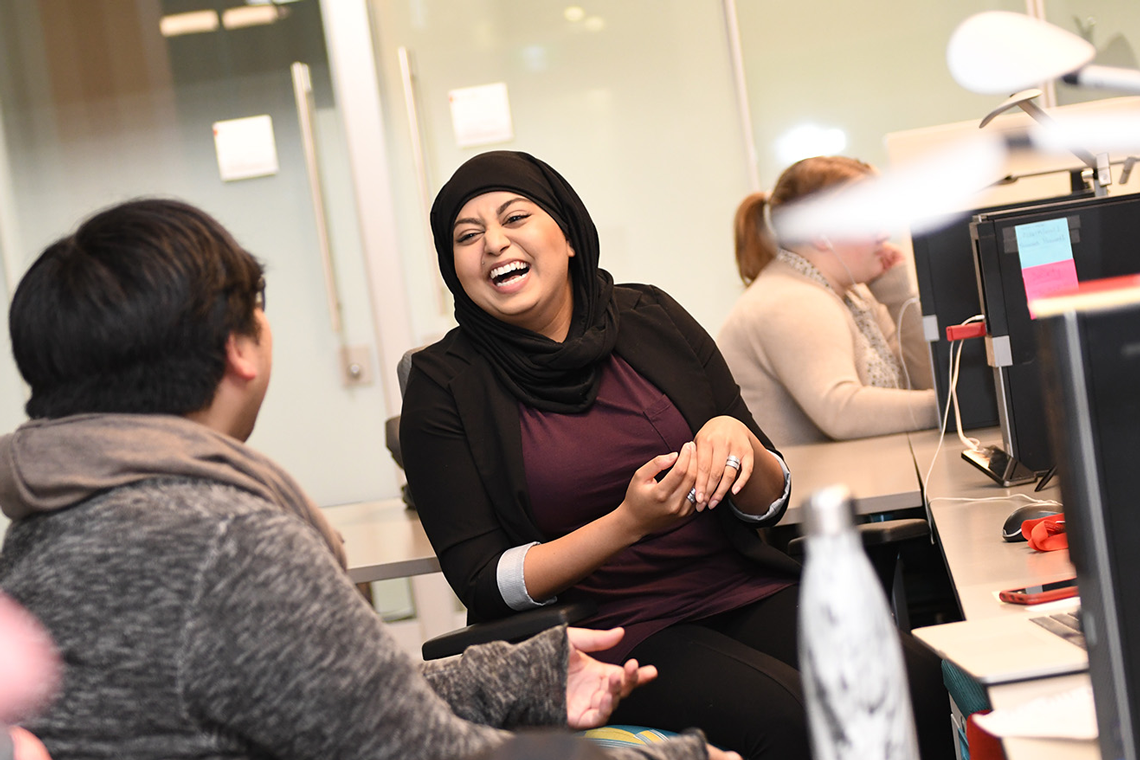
x=1067, y=625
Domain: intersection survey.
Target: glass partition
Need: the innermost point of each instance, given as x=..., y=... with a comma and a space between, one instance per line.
x=102, y=100
x=635, y=101
x=632, y=100
x=849, y=73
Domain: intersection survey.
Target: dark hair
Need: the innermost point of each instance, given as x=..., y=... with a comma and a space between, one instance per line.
x=756, y=241
x=132, y=312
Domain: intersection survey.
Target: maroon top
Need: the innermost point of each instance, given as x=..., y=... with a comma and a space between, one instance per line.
x=578, y=467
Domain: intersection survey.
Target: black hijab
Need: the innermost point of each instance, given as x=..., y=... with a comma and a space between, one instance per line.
x=542, y=373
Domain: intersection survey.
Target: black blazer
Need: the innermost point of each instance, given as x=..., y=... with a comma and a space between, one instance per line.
x=462, y=445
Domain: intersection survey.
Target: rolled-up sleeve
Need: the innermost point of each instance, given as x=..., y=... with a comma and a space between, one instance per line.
x=777, y=506
x=512, y=579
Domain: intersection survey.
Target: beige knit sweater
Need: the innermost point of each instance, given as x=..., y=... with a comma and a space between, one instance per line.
x=802, y=363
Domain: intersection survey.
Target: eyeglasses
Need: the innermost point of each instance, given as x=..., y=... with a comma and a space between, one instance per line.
x=259, y=295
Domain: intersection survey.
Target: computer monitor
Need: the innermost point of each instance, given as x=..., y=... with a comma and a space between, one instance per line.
x=944, y=267
x=1090, y=361
x=1024, y=253
x=947, y=288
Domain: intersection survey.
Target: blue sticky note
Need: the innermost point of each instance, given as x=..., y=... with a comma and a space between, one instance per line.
x=1040, y=243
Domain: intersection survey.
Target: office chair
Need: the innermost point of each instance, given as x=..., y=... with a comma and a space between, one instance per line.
x=392, y=424
x=884, y=542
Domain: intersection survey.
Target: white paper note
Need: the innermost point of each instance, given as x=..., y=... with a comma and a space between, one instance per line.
x=481, y=115
x=1066, y=715
x=246, y=147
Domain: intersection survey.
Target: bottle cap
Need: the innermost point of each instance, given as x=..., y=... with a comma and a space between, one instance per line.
x=828, y=511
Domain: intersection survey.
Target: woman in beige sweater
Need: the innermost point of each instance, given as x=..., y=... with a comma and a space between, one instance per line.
x=814, y=340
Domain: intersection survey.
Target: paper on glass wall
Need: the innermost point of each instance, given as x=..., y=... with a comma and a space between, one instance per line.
x=481, y=115
x=246, y=147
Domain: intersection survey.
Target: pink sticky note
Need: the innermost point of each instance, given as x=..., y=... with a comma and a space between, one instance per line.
x=1043, y=280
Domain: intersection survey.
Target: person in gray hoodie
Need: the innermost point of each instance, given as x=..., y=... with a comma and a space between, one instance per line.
x=197, y=597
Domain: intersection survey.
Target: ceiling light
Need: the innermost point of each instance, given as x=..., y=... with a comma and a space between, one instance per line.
x=188, y=23
x=250, y=15
x=809, y=140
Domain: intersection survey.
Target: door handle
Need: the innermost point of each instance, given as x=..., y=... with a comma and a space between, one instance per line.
x=355, y=361
x=408, y=80
x=303, y=93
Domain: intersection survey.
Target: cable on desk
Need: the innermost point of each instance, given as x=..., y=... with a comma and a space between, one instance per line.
x=952, y=400
x=1002, y=497
x=970, y=443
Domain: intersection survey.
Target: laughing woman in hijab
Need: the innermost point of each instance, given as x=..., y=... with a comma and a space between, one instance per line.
x=575, y=439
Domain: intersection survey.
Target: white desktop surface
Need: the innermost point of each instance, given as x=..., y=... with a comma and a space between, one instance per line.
x=981, y=562
x=879, y=472
x=1011, y=695
x=979, y=559
x=383, y=540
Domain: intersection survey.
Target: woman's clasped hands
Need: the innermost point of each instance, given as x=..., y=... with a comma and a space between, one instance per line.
x=670, y=487
x=724, y=459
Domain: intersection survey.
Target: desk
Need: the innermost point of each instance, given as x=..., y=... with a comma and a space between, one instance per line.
x=979, y=562
x=879, y=471
x=970, y=532
x=382, y=540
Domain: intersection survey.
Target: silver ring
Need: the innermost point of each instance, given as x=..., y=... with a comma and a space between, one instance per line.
x=692, y=497
x=733, y=461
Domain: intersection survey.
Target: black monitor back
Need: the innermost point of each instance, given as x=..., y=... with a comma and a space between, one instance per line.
x=1104, y=234
x=1090, y=363
x=948, y=290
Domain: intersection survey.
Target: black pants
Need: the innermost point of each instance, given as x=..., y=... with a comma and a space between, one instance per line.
x=736, y=677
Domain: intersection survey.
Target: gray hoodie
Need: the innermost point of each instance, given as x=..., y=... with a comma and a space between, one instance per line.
x=198, y=617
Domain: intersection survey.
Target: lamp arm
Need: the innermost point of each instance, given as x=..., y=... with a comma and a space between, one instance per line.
x=1105, y=77
x=1041, y=117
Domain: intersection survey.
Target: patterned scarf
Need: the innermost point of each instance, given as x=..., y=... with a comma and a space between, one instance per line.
x=882, y=366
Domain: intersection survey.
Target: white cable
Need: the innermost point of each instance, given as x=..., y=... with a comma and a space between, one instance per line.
x=1006, y=497
x=951, y=399
x=941, y=436
x=835, y=253
x=970, y=443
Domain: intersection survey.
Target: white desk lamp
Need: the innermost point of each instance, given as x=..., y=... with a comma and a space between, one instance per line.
x=998, y=52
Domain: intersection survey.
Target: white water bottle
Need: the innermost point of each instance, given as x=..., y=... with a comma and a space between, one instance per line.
x=858, y=703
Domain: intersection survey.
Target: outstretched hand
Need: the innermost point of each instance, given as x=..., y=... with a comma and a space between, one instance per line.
x=25, y=745
x=593, y=688
x=720, y=754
